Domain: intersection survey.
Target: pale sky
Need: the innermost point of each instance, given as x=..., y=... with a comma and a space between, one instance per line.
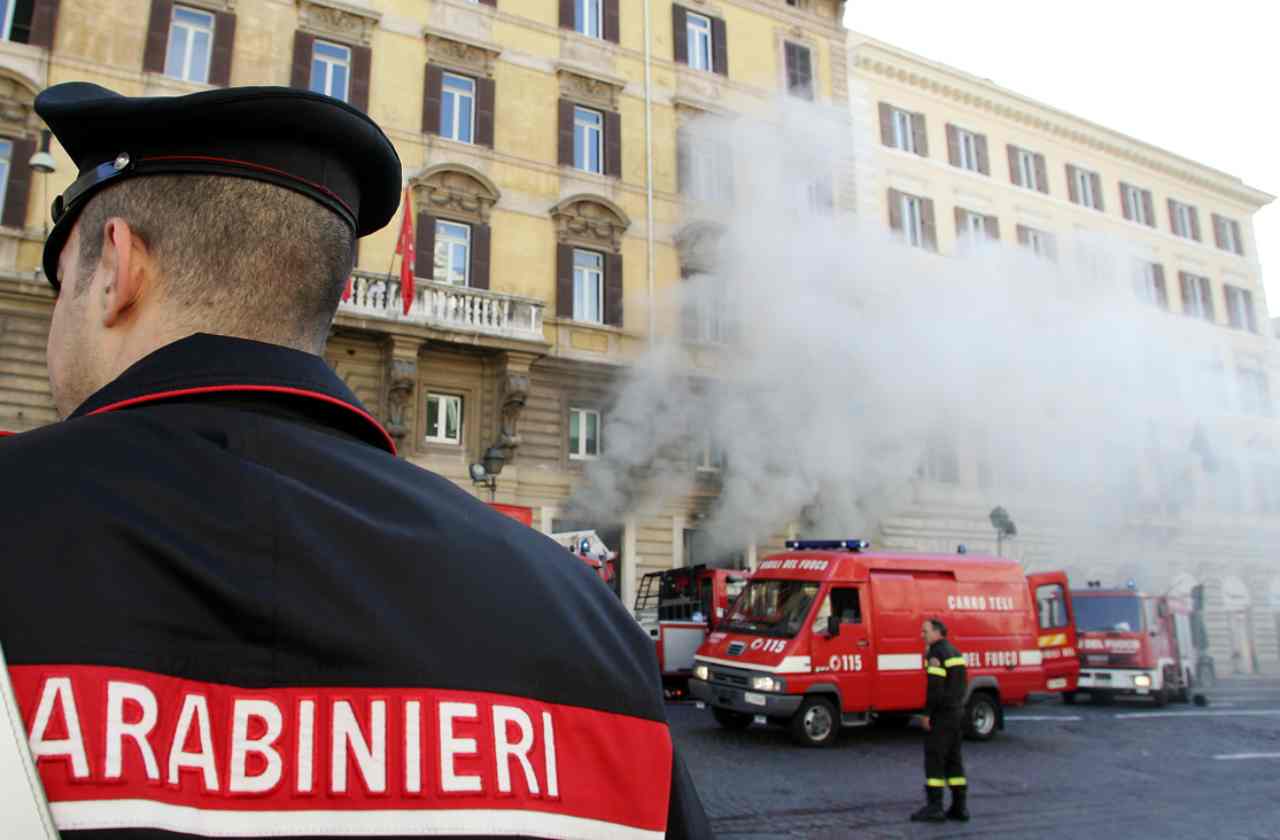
x=1196, y=79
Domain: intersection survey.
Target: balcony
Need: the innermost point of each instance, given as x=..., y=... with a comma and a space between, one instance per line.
x=441, y=306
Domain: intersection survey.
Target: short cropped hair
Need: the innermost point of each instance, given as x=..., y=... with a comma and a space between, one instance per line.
x=939, y=626
x=237, y=256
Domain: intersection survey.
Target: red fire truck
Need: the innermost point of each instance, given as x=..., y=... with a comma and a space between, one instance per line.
x=1134, y=644
x=828, y=635
x=678, y=608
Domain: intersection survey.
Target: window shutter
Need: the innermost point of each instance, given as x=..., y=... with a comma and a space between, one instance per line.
x=612, y=29
x=1099, y=202
x=929, y=223
x=1022, y=235
x=424, y=247
x=920, y=135
x=680, y=33
x=719, y=47
x=566, y=132
x=1014, y=174
x=886, y=124
x=485, y=96
x=493, y=3
x=19, y=187
x=612, y=144
x=992, y=224
x=1042, y=175
x=895, y=210
x=480, y=240
x=1150, y=207
x=300, y=76
x=566, y=15
x=1239, y=240
x=1072, y=191
x=1187, y=290
x=1248, y=311
x=789, y=67
x=361, y=59
x=1173, y=218
x=1162, y=294
x=1124, y=205
x=44, y=21
x=984, y=159
x=960, y=221
x=1195, y=224
x=433, y=93
x=224, y=38
x=1206, y=295
x=953, y=145
x=682, y=161
x=157, y=36
x=564, y=281
x=804, y=72
x=613, y=290
x=1218, y=238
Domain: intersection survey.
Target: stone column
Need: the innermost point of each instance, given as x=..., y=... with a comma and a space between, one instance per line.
x=513, y=379
x=402, y=392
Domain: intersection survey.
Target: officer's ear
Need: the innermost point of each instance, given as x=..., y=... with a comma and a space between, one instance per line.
x=124, y=271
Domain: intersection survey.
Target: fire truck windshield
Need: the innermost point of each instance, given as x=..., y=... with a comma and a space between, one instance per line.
x=1108, y=613
x=772, y=607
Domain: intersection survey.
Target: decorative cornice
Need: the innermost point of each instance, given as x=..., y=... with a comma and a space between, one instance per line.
x=455, y=189
x=592, y=220
x=17, y=103
x=337, y=19
x=450, y=48
x=980, y=95
x=587, y=84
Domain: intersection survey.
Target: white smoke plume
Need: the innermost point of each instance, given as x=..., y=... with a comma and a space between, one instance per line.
x=850, y=356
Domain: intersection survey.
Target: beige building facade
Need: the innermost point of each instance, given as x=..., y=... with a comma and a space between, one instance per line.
x=539, y=147
x=943, y=156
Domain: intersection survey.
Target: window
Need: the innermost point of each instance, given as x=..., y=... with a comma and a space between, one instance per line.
x=913, y=221
x=707, y=456
x=967, y=150
x=6, y=156
x=1051, y=606
x=903, y=135
x=1197, y=298
x=331, y=69
x=1240, y=309
x=453, y=253
x=940, y=463
x=844, y=603
x=457, y=108
x=1150, y=283
x=1026, y=169
x=1183, y=220
x=584, y=433
x=587, y=17
x=190, y=45
x=588, y=286
x=588, y=139
x=1039, y=242
x=698, y=32
x=1137, y=205
x=799, y=67
x=903, y=130
x=1255, y=395
x=444, y=418
x=1085, y=187
x=976, y=225
x=15, y=23
x=706, y=168
x=1226, y=233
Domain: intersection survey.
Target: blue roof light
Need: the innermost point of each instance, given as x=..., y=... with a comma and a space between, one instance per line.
x=828, y=545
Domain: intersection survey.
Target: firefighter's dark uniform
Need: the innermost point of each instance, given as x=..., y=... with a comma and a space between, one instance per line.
x=230, y=610
x=943, y=764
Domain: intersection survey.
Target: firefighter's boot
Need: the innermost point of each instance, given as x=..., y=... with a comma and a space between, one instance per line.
x=932, y=811
x=959, y=809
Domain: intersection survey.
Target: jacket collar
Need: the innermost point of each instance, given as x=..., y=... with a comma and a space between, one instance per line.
x=205, y=365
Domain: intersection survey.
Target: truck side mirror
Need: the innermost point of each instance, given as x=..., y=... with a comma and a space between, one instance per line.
x=833, y=625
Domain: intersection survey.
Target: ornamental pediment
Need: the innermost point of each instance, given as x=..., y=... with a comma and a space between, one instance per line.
x=590, y=220
x=345, y=21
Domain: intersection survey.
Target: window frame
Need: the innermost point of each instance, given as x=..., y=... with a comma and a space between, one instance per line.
x=584, y=22
x=1084, y=187
x=329, y=63
x=965, y=156
x=1183, y=227
x=443, y=438
x=911, y=211
x=6, y=167
x=1202, y=308
x=446, y=94
x=1038, y=242
x=903, y=139
x=582, y=414
x=1237, y=297
x=1151, y=292
x=6, y=25
x=586, y=129
x=1135, y=203
x=694, y=36
x=445, y=237
x=191, y=30
x=1027, y=169
x=582, y=276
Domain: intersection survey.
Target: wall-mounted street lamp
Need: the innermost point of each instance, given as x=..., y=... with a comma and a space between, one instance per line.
x=44, y=163
x=485, y=473
x=1003, y=523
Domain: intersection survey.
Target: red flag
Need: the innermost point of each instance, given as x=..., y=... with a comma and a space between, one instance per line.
x=405, y=248
x=346, y=293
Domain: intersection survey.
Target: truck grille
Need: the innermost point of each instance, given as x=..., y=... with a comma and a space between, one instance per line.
x=731, y=679
x=736, y=648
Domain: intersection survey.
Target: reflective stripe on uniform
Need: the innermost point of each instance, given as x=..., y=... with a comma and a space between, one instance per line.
x=935, y=782
x=938, y=672
x=953, y=662
x=957, y=781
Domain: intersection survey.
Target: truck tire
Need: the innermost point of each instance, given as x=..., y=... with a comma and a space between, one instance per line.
x=730, y=719
x=981, y=716
x=1069, y=698
x=816, y=723
x=1160, y=698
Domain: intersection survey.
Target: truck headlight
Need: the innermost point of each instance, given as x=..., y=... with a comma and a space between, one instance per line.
x=701, y=672
x=766, y=684
x=1142, y=681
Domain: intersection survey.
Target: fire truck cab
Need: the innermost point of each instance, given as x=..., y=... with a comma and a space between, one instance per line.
x=828, y=635
x=678, y=608
x=1133, y=644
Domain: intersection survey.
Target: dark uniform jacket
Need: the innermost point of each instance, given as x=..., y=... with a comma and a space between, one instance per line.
x=229, y=610
x=947, y=678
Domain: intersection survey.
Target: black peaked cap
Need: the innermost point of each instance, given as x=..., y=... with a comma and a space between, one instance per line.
x=304, y=141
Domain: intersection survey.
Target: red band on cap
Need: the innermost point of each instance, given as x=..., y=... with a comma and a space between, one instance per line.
x=258, y=166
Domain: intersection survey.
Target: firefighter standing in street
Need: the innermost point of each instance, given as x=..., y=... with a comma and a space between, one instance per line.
x=228, y=608
x=944, y=710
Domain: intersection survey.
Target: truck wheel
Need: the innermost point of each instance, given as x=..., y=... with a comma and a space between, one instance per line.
x=816, y=723
x=730, y=719
x=1069, y=698
x=981, y=716
x=1160, y=698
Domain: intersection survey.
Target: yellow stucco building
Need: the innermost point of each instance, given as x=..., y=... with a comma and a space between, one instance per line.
x=539, y=143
